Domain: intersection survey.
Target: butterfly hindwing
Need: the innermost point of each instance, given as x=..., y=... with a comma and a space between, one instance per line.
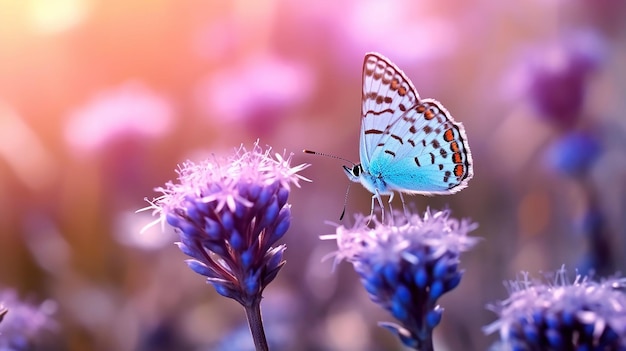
x=431, y=159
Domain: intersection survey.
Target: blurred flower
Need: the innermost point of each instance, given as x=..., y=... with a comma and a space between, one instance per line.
x=373, y=25
x=351, y=28
x=407, y=266
x=229, y=213
x=558, y=315
x=21, y=324
x=256, y=91
x=24, y=152
x=554, y=77
x=128, y=110
x=573, y=153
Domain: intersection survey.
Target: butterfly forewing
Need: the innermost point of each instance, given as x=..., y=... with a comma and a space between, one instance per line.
x=387, y=94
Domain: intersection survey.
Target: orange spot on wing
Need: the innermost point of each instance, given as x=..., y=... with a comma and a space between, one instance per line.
x=459, y=170
x=402, y=91
x=429, y=115
x=454, y=147
x=394, y=84
x=448, y=135
x=456, y=157
x=421, y=109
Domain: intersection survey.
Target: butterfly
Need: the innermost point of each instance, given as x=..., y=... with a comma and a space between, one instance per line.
x=407, y=144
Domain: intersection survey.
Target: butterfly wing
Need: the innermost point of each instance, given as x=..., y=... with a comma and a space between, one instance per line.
x=387, y=94
x=417, y=148
x=433, y=157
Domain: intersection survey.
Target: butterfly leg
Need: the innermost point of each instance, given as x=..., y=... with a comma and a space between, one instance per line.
x=390, y=208
x=372, y=211
x=406, y=214
x=380, y=202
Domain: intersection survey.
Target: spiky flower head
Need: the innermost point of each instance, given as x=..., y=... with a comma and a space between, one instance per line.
x=559, y=315
x=229, y=213
x=407, y=266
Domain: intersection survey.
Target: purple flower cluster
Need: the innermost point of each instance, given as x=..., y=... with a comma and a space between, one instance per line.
x=229, y=214
x=583, y=315
x=407, y=266
x=21, y=323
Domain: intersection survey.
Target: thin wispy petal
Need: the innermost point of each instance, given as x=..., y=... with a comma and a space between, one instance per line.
x=583, y=314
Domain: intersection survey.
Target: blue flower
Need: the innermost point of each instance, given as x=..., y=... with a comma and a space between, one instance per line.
x=574, y=153
x=229, y=213
x=559, y=315
x=407, y=266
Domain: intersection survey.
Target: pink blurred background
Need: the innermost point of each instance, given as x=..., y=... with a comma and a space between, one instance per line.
x=100, y=100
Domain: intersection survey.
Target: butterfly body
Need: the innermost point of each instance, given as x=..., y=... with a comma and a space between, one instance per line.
x=407, y=144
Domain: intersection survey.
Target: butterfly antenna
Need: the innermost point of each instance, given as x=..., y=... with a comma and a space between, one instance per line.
x=345, y=202
x=327, y=155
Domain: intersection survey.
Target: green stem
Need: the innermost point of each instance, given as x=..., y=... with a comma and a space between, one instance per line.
x=255, y=322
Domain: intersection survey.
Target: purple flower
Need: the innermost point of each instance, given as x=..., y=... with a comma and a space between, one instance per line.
x=407, y=266
x=371, y=26
x=21, y=324
x=559, y=315
x=254, y=93
x=131, y=109
x=229, y=214
x=556, y=76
